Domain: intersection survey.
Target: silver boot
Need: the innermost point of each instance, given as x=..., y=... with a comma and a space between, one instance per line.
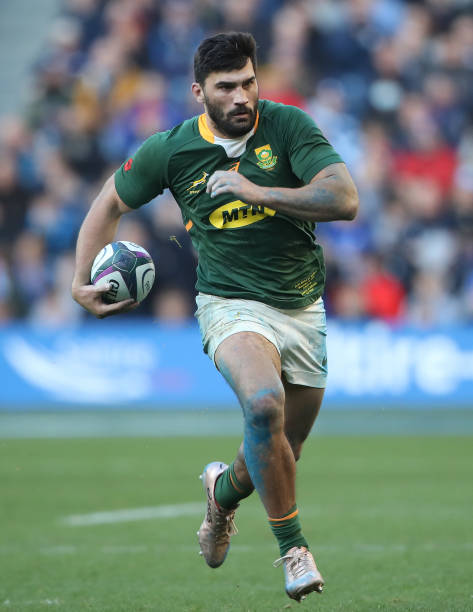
x=302, y=575
x=217, y=526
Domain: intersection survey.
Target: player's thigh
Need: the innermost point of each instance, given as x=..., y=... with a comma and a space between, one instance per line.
x=302, y=405
x=252, y=367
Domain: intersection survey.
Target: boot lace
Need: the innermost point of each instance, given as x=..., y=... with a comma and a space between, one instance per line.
x=224, y=525
x=298, y=563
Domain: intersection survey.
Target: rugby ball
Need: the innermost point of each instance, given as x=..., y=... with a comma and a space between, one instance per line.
x=128, y=269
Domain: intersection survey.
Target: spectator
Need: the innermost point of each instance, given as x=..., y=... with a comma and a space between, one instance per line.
x=383, y=295
x=14, y=200
x=389, y=83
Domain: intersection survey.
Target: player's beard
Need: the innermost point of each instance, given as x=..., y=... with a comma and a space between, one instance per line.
x=228, y=124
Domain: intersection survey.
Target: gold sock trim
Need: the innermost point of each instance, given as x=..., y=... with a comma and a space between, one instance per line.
x=284, y=518
x=233, y=483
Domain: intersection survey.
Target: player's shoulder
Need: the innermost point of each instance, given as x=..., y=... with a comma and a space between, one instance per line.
x=277, y=111
x=282, y=116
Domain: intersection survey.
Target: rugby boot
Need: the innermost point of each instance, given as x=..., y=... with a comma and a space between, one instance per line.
x=217, y=526
x=302, y=575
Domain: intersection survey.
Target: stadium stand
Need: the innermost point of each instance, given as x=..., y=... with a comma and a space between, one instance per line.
x=389, y=82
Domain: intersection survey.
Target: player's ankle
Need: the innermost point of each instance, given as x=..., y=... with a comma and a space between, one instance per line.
x=287, y=530
x=229, y=491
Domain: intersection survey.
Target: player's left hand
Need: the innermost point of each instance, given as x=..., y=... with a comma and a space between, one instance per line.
x=225, y=181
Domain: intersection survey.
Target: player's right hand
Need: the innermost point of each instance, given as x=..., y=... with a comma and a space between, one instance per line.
x=90, y=297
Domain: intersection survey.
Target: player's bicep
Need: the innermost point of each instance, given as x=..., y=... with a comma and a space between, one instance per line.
x=337, y=179
x=341, y=177
x=122, y=207
x=337, y=170
x=109, y=201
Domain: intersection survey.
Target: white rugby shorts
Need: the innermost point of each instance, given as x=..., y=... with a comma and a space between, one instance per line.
x=299, y=335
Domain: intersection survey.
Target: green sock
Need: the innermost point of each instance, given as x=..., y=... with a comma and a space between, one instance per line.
x=229, y=490
x=287, y=530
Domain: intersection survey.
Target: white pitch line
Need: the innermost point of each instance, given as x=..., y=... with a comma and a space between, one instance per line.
x=134, y=514
x=124, y=550
x=32, y=602
x=58, y=550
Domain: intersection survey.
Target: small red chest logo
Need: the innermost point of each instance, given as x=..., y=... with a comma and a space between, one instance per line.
x=127, y=166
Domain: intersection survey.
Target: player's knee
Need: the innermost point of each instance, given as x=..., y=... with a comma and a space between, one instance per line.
x=265, y=410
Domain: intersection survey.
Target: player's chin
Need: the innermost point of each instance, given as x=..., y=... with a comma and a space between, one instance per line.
x=241, y=124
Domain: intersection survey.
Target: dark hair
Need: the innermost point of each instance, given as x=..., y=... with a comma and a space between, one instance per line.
x=222, y=52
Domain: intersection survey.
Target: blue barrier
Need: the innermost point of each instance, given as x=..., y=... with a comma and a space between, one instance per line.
x=140, y=364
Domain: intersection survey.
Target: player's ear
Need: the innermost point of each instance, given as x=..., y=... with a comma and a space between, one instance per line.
x=198, y=92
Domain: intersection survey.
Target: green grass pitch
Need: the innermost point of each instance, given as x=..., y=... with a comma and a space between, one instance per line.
x=389, y=520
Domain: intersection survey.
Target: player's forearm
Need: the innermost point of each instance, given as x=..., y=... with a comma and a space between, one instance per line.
x=98, y=229
x=331, y=198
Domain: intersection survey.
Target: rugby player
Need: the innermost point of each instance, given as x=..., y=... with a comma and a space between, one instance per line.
x=251, y=178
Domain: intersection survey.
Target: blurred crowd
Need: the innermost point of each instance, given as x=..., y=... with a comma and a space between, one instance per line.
x=389, y=82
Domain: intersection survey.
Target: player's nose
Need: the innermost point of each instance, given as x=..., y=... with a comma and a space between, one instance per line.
x=240, y=96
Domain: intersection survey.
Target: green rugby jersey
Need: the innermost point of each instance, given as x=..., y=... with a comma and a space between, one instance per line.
x=245, y=251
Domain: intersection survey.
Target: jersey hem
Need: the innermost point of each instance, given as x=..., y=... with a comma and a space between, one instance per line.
x=291, y=304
